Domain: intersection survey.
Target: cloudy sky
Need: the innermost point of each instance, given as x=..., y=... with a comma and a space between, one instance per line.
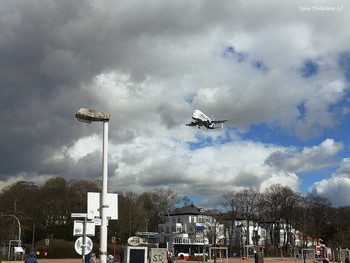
x=279, y=71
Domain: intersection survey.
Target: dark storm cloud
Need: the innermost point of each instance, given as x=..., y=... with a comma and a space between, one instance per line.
x=150, y=66
x=50, y=52
x=39, y=80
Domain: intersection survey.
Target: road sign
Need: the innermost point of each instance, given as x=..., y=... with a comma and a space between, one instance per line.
x=135, y=241
x=78, y=228
x=98, y=221
x=158, y=255
x=79, y=245
x=93, y=205
x=78, y=214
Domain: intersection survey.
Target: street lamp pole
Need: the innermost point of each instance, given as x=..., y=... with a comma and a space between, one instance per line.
x=19, y=230
x=88, y=116
x=104, y=205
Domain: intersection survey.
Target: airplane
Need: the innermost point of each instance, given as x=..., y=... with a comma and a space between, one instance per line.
x=203, y=120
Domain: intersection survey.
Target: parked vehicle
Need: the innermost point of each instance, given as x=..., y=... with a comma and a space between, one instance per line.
x=183, y=255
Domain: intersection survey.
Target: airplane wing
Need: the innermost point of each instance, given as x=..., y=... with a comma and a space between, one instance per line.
x=192, y=124
x=219, y=121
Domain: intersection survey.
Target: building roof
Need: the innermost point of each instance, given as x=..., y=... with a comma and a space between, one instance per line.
x=187, y=210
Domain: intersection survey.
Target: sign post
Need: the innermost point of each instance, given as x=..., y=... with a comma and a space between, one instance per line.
x=80, y=248
x=81, y=245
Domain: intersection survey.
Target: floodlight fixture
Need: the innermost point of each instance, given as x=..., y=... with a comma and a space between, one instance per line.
x=88, y=116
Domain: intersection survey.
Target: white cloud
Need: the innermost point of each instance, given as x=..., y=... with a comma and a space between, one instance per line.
x=150, y=66
x=83, y=147
x=308, y=160
x=335, y=188
x=206, y=172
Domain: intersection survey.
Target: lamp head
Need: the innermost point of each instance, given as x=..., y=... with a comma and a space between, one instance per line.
x=88, y=116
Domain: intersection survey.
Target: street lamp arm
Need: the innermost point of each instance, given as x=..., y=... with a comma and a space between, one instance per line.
x=19, y=229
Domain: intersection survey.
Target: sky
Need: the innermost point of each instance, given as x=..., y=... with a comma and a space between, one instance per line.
x=278, y=71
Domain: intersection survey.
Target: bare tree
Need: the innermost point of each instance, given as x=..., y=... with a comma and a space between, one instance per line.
x=214, y=230
x=55, y=197
x=279, y=205
x=320, y=209
x=19, y=199
x=164, y=200
x=78, y=190
x=229, y=220
x=245, y=202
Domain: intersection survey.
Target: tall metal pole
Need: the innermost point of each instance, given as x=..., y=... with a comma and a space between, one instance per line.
x=103, y=200
x=83, y=247
x=19, y=230
x=19, y=242
x=88, y=116
x=33, y=236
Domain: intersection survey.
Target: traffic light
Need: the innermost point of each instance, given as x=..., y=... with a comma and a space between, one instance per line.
x=1, y=215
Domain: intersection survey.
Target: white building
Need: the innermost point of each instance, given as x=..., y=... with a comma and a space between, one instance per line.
x=190, y=229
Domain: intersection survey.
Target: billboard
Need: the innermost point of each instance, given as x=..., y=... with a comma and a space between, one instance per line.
x=93, y=206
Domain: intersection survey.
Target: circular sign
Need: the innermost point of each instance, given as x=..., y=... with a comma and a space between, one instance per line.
x=135, y=241
x=79, y=245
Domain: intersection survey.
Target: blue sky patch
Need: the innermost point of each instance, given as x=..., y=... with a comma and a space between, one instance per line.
x=302, y=110
x=190, y=97
x=268, y=135
x=309, y=69
x=206, y=141
x=202, y=142
x=241, y=57
x=344, y=64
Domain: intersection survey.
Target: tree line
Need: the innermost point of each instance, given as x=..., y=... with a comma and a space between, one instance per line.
x=45, y=211
x=313, y=216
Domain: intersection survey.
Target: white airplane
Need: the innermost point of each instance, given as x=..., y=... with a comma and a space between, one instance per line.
x=203, y=120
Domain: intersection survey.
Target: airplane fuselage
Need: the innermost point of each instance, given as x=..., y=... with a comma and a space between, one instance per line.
x=202, y=119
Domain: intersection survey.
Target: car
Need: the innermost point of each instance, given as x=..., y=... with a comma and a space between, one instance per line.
x=183, y=255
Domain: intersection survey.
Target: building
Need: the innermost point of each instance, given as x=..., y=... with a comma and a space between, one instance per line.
x=190, y=230
x=193, y=230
